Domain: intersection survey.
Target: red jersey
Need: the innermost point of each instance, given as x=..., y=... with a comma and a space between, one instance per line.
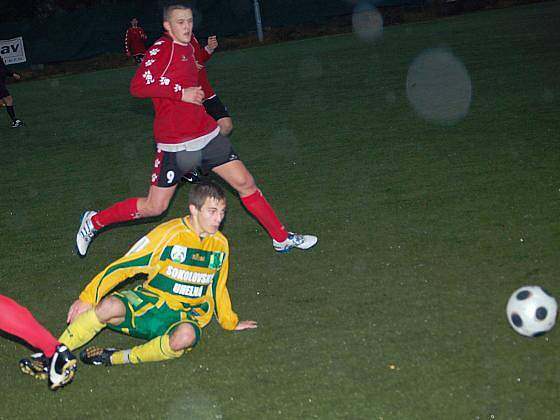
x=202, y=56
x=134, y=41
x=167, y=69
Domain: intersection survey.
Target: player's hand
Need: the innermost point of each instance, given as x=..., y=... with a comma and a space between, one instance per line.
x=193, y=95
x=76, y=309
x=17, y=76
x=212, y=44
x=244, y=325
x=128, y=54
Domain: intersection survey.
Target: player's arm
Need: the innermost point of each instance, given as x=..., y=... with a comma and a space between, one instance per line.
x=223, y=310
x=211, y=45
x=3, y=68
x=201, y=55
x=244, y=325
x=105, y=281
x=227, y=318
x=150, y=81
x=7, y=71
x=137, y=260
x=114, y=274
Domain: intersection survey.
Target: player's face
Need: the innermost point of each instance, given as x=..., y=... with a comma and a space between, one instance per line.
x=180, y=25
x=134, y=22
x=207, y=220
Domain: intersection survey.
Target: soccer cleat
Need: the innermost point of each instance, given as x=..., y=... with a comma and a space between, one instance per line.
x=36, y=365
x=97, y=356
x=62, y=367
x=85, y=233
x=191, y=177
x=295, y=241
x=17, y=123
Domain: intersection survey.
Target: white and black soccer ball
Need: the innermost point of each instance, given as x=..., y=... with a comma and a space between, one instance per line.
x=531, y=311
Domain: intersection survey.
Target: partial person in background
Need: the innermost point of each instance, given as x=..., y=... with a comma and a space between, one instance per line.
x=134, y=41
x=5, y=96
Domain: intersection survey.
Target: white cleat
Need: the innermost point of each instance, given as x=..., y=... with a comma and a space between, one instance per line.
x=85, y=233
x=295, y=241
x=62, y=368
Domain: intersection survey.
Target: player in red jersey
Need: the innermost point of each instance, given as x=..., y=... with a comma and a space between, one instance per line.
x=186, y=137
x=58, y=364
x=134, y=41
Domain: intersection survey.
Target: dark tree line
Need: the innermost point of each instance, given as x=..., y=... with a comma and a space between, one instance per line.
x=13, y=10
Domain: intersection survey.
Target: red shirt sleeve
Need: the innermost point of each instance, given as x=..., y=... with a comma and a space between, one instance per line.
x=150, y=80
x=202, y=56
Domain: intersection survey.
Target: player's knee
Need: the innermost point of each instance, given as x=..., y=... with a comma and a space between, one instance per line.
x=245, y=184
x=182, y=338
x=110, y=308
x=153, y=209
x=226, y=126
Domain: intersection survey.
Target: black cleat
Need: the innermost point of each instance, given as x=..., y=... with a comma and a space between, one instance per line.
x=36, y=365
x=97, y=356
x=192, y=177
x=17, y=123
x=62, y=367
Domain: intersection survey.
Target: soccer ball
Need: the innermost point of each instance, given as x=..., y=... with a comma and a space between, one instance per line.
x=531, y=311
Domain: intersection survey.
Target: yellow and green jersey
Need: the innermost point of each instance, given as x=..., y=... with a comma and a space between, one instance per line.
x=183, y=269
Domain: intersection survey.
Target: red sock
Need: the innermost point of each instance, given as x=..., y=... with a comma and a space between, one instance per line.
x=119, y=212
x=257, y=205
x=18, y=321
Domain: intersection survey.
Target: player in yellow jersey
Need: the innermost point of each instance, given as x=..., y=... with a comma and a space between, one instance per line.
x=186, y=261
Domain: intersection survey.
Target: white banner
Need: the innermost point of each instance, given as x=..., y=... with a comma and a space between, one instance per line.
x=12, y=50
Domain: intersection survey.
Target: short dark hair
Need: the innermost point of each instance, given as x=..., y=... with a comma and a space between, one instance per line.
x=204, y=190
x=168, y=8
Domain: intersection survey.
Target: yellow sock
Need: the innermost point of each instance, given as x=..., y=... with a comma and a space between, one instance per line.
x=84, y=328
x=154, y=350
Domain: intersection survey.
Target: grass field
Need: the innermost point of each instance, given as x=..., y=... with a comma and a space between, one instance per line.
x=425, y=230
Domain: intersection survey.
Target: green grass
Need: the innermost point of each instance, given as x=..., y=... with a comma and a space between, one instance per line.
x=425, y=230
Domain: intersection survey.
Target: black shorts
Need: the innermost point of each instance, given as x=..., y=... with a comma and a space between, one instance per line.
x=169, y=167
x=3, y=90
x=215, y=108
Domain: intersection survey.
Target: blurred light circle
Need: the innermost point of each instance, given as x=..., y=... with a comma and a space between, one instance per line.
x=438, y=87
x=367, y=22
